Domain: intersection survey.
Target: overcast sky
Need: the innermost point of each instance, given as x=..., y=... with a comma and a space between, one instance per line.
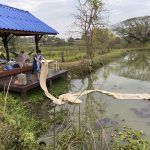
x=58, y=13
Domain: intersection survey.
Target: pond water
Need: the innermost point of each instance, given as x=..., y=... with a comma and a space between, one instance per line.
x=130, y=74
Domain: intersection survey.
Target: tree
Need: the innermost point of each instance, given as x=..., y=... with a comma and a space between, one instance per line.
x=103, y=38
x=18, y=43
x=87, y=18
x=71, y=40
x=52, y=40
x=137, y=29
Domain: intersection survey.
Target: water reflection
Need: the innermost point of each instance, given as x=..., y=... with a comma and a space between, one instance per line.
x=107, y=122
x=101, y=110
x=94, y=105
x=130, y=74
x=141, y=113
x=92, y=112
x=135, y=66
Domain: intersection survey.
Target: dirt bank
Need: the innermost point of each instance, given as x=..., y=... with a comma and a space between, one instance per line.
x=83, y=67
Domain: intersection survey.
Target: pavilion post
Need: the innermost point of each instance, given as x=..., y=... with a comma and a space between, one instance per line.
x=5, y=42
x=37, y=39
x=36, y=43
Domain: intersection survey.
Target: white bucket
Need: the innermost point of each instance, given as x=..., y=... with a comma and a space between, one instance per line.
x=22, y=79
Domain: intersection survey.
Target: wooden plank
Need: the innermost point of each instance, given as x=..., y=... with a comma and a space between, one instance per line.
x=30, y=84
x=23, y=33
x=13, y=72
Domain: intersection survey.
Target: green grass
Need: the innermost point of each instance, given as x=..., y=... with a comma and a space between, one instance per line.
x=71, y=53
x=83, y=67
x=16, y=121
x=23, y=126
x=59, y=87
x=108, y=57
x=75, y=53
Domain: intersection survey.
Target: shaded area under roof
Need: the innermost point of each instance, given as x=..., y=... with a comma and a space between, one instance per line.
x=20, y=22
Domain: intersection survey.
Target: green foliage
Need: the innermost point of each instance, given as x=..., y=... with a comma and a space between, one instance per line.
x=19, y=125
x=67, y=140
x=108, y=57
x=1, y=42
x=82, y=68
x=52, y=40
x=103, y=39
x=59, y=117
x=36, y=95
x=71, y=53
x=22, y=127
x=18, y=44
x=17, y=116
x=129, y=139
x=19, y=128
x=59, y=87
x=87, y=18
x=134, y=29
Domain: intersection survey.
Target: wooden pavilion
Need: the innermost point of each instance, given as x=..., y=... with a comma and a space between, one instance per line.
x=17, y=22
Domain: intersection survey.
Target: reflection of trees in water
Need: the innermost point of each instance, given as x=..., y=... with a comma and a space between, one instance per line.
x=76, y=87
x=84, y=126
x=135, y=66
x=94, y=104
x=106, y=70
x=93, y=112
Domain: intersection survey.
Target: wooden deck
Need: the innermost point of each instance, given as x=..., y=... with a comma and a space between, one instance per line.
x=30, y=84
x=4, y=73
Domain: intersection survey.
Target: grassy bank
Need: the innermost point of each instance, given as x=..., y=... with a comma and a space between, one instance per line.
x=16, y=127
x=23, y=122
x=75, y=52
x=82, y=67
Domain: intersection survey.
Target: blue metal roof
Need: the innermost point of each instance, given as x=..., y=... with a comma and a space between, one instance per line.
x=20, y=20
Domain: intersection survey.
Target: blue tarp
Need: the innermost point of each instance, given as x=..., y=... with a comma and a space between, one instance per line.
x=20, y=20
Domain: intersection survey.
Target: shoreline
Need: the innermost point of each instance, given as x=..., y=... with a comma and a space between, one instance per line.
x=83, y=67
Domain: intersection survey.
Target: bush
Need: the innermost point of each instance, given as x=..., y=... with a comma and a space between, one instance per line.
x=129, y=139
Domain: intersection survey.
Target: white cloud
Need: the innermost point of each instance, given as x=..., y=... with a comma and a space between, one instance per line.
x=57, y=13
x=124, y=9
x=29, y=5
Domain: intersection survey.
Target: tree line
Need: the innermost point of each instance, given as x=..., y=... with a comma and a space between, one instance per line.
x=91, y=25
x=95, y=33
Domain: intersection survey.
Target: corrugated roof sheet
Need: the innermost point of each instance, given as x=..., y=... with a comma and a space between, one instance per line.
x=20, y=20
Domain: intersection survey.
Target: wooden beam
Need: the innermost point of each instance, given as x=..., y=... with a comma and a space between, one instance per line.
x=36, y=43
x=23, y=33
x=5, y=40
x=37, y=39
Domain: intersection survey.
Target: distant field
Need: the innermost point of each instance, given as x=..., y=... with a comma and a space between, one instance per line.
x=71, y=53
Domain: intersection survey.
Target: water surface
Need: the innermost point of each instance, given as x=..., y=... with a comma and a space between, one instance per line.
x=130, y=74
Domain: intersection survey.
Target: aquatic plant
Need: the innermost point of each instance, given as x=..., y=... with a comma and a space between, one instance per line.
x=126, y=138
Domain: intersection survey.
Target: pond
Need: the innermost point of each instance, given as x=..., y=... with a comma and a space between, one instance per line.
x=130, y=74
